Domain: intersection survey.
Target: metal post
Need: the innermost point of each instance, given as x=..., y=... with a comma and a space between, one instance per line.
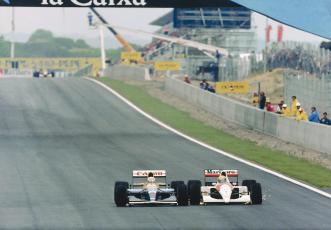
x=12, y=47
x=217, y=72
x=266, y=46
x=102, y=48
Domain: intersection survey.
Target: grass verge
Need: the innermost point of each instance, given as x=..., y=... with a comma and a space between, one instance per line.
x=276, y=160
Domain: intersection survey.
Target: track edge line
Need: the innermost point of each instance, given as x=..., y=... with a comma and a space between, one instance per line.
x=165, y=126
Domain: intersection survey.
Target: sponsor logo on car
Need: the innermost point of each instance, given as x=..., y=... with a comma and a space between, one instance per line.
x=144, y=173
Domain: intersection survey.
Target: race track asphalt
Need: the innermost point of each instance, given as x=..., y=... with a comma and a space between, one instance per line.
x=64, y=142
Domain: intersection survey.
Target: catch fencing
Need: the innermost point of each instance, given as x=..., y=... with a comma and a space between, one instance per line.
x=305, y=57
x=309, y=89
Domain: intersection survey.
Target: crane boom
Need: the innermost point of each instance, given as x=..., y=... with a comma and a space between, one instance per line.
x=119, y=38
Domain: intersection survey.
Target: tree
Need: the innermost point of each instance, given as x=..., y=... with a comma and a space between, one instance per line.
x=81, y=44
x=43, y=43
x=66, y=43
x=4, y=48
x=41, y=36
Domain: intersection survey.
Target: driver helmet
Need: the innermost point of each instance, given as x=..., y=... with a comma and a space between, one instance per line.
x=221, y=177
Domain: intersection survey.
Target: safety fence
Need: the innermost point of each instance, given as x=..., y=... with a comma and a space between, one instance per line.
x=306, y=57
x=309, y=89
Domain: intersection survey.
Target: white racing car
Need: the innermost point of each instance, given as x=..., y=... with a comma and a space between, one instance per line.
x=150, y=187
x=221, y=186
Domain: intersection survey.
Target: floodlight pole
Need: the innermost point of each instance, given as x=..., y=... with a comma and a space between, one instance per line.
x=266, y=45
x=102, y=48
x=12, y=46
x=100, y=26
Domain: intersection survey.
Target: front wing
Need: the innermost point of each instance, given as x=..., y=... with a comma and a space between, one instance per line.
x=134, y=199
x=243, y=199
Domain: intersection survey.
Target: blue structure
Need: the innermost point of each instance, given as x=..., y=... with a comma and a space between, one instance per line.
x=90, y=18
x=223, y=17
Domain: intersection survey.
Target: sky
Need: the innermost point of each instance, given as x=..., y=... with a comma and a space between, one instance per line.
x=72, y=22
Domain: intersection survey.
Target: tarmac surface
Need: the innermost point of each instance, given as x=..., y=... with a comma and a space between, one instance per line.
x=64, y=143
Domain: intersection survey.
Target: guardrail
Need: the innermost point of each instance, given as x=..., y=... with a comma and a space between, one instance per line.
x=307, y=134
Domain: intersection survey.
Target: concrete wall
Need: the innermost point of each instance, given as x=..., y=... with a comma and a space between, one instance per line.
x=309, y=135
x=124, y=72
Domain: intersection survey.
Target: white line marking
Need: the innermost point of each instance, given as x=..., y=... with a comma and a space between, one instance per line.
x=208, y=146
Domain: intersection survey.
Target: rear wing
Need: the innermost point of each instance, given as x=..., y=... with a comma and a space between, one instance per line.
x=217, y=173
x=144, y=173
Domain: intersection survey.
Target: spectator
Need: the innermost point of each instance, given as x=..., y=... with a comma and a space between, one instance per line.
x=36, y=74
x=269, y=106
x=280, y=107
x=286, y=112
x=313, y=116
x=40, y=73
x=294, y=109
x=187, y=79
x=262, y=101
x=255, y=99
x=204, y=84
x=324, y=120
x=211, y=89
x=302, y=115
x=298, y=107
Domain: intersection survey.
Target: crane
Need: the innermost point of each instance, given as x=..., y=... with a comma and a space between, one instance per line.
x=213, y=52
x=119, y=38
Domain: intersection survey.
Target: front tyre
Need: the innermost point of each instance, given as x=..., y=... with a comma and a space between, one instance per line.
x=121, y=194
x=256, y=193
x=248, y=183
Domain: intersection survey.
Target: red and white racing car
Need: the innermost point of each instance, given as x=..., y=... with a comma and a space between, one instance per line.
x=222, y=186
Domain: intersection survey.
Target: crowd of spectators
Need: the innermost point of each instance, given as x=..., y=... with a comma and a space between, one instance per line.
x=206, y=86
x=295, y=110
x=298, y=58
x=260, y=100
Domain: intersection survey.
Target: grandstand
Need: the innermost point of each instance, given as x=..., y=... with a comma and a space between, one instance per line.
x=229, y=26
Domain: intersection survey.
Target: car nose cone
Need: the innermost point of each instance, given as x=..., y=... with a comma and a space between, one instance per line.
x=226, y=192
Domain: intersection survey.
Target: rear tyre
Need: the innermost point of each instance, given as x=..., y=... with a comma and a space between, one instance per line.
x=182, y=196
x=194, y=191
x=256, y=193
x=248, y=184
x=174, y=184
x=121, y=194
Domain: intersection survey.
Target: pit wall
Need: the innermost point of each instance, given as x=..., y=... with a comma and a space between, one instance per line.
x=125, y=72
x=306, y=134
